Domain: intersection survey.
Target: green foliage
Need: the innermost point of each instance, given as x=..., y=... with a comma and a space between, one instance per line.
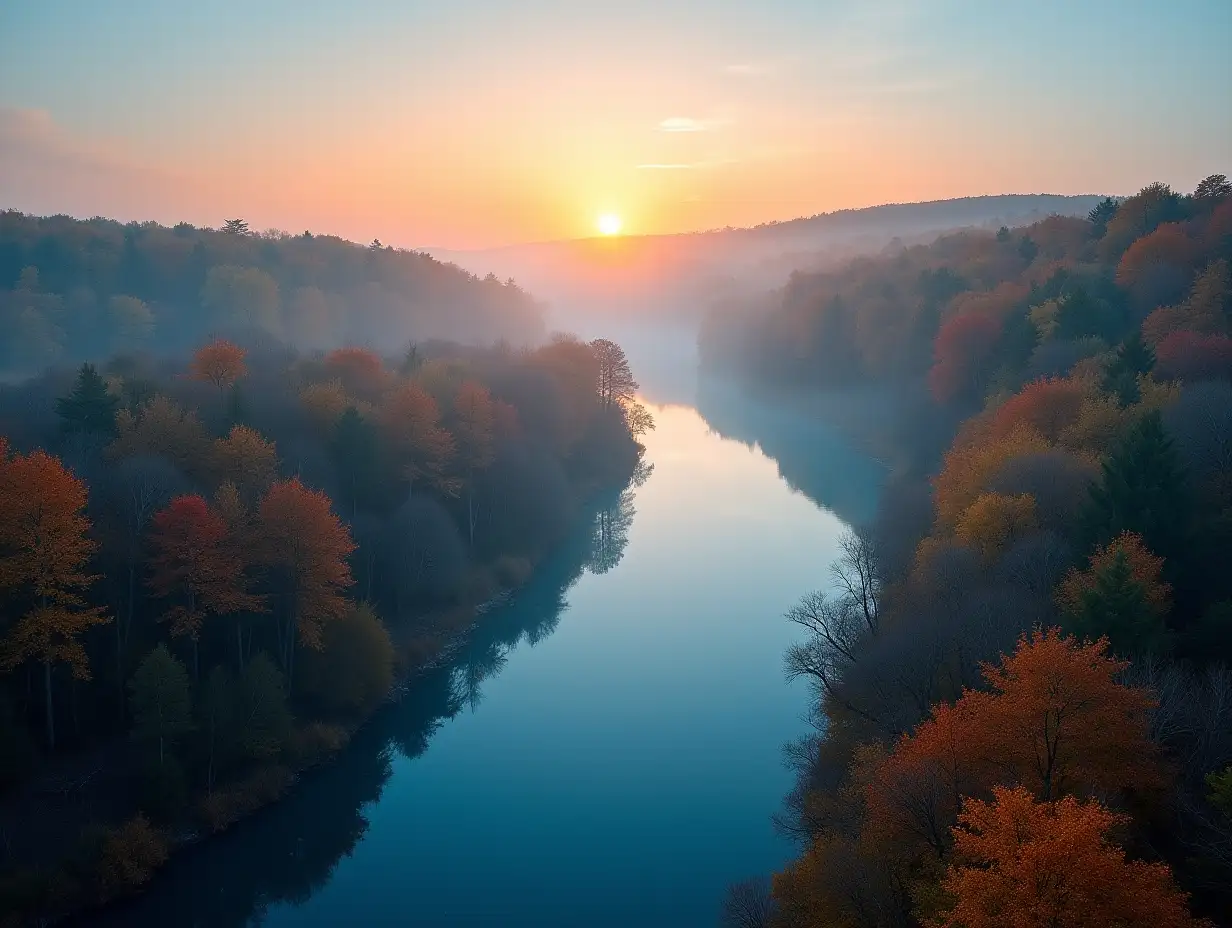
x=353, y=671
x=159, y=699
x=90, y=408
x=1220, y=786
x=1101, y=214
x=1116, y=607
x=1134, y=359
x=1141, y=490
x=355, y=448
x=263, y=719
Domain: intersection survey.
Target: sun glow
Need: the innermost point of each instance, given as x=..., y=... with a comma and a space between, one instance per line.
x=609, y=224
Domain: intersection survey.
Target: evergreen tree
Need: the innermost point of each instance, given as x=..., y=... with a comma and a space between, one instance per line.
x=1116, y=606
x=357, y=457
x=1141, y=490
x=1101, y=215
x=159, y=699
x=90, y=408
x=1133, y=359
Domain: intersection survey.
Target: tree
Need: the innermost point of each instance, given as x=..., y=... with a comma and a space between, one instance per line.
x=1213, y=190
x=970, y=467
x=1191, y=356
x=422, y=449
x=193, y=563
x=235, y=227
x=1027, y=864
x=131, y=319
x=1101, y=214
x=44, y=550
x=616, y=384
x=160, y=428
x=963, y=353
x=354, y=669
x=1141, y=490
x=1133, y=360
x=220, y=362
x=995, y=521
x=473, y=435
x=1048, y=405
x=1120, y=597
x=246, y=460
x=245, y=297
x=90, y=409
x=359, y=370
x=307, y=547
x=356, y=451
x=159, y=699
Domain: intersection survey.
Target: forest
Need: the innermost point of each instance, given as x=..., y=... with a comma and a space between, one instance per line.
x=215, y=565
x=74, y=290
x=1020, y=667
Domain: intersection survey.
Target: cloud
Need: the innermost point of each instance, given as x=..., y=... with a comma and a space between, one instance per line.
x=682, y=124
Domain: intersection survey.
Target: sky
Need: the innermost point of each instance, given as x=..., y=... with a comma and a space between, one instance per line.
x=475, y=123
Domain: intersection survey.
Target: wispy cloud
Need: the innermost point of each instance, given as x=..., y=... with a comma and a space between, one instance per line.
x=681, y=124
x=686, y=165
x=689, y=124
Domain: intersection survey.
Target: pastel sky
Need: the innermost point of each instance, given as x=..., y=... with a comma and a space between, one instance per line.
x=468, y=123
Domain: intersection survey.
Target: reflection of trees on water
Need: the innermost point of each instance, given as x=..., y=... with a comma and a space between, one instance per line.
x=287, y=852
x=812, y=457
x=610, y=529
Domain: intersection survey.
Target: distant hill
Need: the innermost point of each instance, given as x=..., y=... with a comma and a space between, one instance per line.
x=683, y=273
x=74, y=289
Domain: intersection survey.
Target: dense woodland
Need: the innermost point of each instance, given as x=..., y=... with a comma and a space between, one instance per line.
x=213, y=569
x=1024, y=702
x=73, y=290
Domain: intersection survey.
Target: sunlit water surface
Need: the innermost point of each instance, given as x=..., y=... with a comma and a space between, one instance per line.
x=607, y=753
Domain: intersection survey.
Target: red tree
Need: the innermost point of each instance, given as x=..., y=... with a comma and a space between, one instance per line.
x=1191, y=356
x=963, y=352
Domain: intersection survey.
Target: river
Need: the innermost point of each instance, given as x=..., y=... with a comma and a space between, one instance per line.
x=606, y=752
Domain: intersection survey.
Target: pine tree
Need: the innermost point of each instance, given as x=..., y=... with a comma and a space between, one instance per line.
x=1133, y=359
x=159, y=699
x=90, y=408
x=1116, y=607
x=1141, y=490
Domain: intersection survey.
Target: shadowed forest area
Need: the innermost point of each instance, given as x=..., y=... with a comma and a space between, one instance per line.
x=217, y=562
x=1023, y=705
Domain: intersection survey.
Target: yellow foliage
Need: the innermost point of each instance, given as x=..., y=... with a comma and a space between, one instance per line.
x=995, y=521
x=967, y=470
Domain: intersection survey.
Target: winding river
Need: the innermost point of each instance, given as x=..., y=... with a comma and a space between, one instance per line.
x=607, y=751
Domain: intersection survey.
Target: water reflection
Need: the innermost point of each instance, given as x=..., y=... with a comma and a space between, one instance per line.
x=289, y=851
x=813, y=457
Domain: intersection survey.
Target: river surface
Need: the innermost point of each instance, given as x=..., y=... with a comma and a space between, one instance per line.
x=606, y=753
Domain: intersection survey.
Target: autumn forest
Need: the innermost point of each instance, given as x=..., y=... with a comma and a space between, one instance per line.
x=1022, y=710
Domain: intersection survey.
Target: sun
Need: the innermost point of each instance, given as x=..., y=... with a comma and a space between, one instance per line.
x=609, y=224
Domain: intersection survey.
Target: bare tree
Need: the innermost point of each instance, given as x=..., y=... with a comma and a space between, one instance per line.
x=749, y=904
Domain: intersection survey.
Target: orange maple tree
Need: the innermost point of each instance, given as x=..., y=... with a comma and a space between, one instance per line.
x=1055, y=720
x=1145, y=569
x=219, y=362
x=44, y=551
x=359, y=370
x=1020, y=863
x=307, y=547
x=970, y=467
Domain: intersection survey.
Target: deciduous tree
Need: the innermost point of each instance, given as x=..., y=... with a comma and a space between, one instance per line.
x=44, y=553
x=1027, y=864
x=219, y=362
x=307, y=547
